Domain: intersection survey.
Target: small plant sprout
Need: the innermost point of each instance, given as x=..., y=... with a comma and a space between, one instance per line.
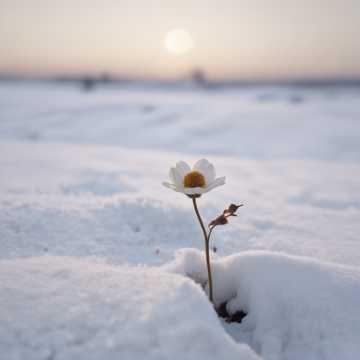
x=194, y=182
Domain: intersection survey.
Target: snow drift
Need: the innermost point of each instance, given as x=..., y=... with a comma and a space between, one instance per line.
x=70, y=308
x=298, y=308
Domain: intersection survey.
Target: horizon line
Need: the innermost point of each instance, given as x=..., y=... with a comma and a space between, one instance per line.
x=194, y=77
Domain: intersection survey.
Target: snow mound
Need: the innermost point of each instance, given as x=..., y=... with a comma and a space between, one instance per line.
x=298, y=308
x=70, y=308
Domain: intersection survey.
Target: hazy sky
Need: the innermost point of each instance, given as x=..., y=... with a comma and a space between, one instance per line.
x=232, y=38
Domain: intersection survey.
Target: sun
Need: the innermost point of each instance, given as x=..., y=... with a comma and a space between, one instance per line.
x=178, y=41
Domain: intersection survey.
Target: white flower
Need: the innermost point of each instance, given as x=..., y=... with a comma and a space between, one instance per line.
x=196, y=181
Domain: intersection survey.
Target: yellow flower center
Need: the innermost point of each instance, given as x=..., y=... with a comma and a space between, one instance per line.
x=194, y=179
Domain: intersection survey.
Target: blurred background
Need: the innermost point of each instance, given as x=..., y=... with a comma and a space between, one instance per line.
x=253, y=78
x=229, y=40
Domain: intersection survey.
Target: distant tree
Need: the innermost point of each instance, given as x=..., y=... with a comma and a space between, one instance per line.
x=199, y=77
x=88, y=83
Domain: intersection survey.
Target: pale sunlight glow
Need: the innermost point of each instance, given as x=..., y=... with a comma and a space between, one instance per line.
x=178, y=41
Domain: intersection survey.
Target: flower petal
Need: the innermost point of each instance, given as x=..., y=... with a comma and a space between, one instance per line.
x=201, y=164
x=209, y=173
x=176, y=178
x=169, y=185
x=183, y=168
x=173, y=187
x=217, y=182
x=194, y=191
x=207, y=169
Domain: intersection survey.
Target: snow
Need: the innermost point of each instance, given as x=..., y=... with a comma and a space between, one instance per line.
x=85, y=223
x=105, y=201
x=261, y=123
x=298, y=308
x=67, y=308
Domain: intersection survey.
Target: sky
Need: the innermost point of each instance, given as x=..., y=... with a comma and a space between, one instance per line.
x=231, y=39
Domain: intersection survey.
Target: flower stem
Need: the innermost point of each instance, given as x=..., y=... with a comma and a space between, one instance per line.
x=206, y=249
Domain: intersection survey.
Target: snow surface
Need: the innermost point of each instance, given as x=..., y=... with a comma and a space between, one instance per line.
x=69, y=308
x=261, y=123
x=85, y=223
x=297, y=308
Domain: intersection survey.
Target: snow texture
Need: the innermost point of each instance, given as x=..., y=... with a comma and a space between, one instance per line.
x=68, y=308
x=88, y=233
x=297, y=308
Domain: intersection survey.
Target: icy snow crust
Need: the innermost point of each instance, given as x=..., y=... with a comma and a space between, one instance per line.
x=81, y=206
